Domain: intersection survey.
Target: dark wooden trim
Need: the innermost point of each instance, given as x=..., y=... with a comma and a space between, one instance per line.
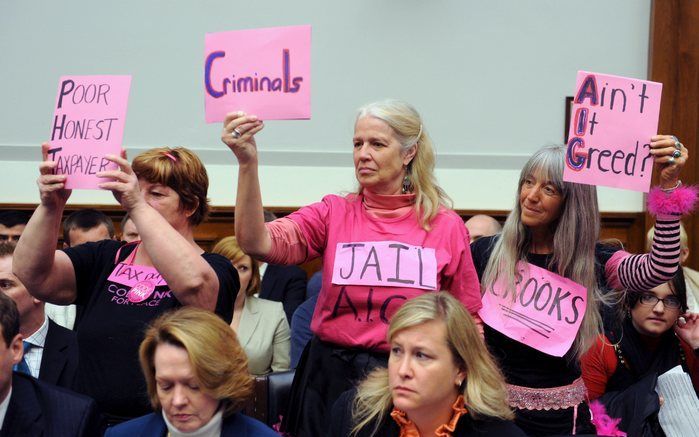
x=674, y=61
x=629, y=228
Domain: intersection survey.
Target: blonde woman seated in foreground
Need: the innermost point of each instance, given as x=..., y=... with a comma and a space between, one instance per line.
x=440, y=380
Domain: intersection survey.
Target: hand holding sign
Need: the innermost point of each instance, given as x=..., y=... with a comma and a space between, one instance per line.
x=124, y=186
x=664, y=149
x=52, y=191
x=238, y=134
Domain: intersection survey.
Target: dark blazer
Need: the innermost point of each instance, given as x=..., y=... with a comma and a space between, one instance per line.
x=285, y=284
x=59, y=361
x=38, y=409
x=341, y=423
x=153, y=425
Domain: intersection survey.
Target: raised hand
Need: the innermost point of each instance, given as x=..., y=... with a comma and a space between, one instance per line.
x=238, y=134
x=671, y=155
x=52, y=191
x=124, y=186
x=689, y=329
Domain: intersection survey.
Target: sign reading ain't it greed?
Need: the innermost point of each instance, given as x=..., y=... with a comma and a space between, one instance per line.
x=613, y=119
x=88, y=124
x=543, y=311
x=265, y=72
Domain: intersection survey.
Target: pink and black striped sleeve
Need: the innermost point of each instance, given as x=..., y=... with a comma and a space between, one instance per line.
x=647, y=271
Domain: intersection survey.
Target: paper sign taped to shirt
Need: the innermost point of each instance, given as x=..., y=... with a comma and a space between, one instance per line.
x=88, y=124
x=611, y=123
x=385, y=263
x=544, y=311
x=266, y=72
x=131, y=275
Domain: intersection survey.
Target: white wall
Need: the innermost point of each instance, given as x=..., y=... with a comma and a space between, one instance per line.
x=489, y=77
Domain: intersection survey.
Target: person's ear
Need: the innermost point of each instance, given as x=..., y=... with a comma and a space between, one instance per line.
x=16, y=349
x=460, y=378
x=190, y=211
x=684, y=254
x=409, y=155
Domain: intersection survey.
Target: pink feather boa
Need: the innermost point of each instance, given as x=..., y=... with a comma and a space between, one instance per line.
x=604, y=424
x=680, y=201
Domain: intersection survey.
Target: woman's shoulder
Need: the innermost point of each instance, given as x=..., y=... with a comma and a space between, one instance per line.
x=266, y=305
x=150, y=424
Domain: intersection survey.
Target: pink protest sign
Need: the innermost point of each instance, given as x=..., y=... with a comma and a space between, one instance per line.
x=544, y=311
x=87, y=125
x=385, y=263
x=266, y=72
x=612, y=121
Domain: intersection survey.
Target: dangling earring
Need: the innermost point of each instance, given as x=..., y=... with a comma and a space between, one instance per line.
x=407, y=183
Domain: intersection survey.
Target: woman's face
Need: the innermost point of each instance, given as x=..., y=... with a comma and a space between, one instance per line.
x=422, y=374
x=184, y=402
x=166, y=201
x=244, y=268
x=654, y=318
x=540, y=201
x=379, y=161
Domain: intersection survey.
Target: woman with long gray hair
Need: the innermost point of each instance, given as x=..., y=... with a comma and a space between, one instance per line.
x=545, y=278
x=392, y=240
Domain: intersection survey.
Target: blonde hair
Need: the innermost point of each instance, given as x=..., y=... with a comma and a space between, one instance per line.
x=575, y=235
x=181, y=170
x=484, y=390
x=229, y=248
x=407, y=125
x=218, y=361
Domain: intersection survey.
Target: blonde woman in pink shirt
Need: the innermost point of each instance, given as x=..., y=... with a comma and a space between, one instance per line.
x=392, y=240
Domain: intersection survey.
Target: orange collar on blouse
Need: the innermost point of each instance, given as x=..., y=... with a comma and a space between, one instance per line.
x=408, y=428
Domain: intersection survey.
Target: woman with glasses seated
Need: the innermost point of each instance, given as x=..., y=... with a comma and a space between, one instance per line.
x=622, y=367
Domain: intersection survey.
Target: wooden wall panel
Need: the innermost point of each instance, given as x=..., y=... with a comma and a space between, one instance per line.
x=674, y=61
x=626, y=227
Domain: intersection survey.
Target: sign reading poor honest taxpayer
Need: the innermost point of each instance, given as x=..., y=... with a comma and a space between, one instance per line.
x=266, y=72
x=543, y=311
x=88, y=124
x=612, y=121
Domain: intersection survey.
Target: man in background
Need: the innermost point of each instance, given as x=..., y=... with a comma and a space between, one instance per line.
x=12, y=224
x=482, y=225
x=29, y=407
x=86, y=225
x=129, y=233
x=50, y=350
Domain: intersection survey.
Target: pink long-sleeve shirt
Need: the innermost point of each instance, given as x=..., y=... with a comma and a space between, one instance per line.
x=375, y=257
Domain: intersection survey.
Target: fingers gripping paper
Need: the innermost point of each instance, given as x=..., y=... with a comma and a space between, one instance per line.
x=544, y=311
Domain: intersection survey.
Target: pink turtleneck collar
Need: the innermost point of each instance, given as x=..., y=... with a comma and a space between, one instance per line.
x=387, y=205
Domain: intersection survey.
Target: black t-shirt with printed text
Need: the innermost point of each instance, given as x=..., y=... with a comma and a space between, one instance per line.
x=112, y=327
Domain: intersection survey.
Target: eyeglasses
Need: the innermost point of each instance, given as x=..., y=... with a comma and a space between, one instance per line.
x=670, y=302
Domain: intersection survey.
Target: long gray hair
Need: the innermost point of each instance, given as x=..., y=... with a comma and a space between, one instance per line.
x=575, y=234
